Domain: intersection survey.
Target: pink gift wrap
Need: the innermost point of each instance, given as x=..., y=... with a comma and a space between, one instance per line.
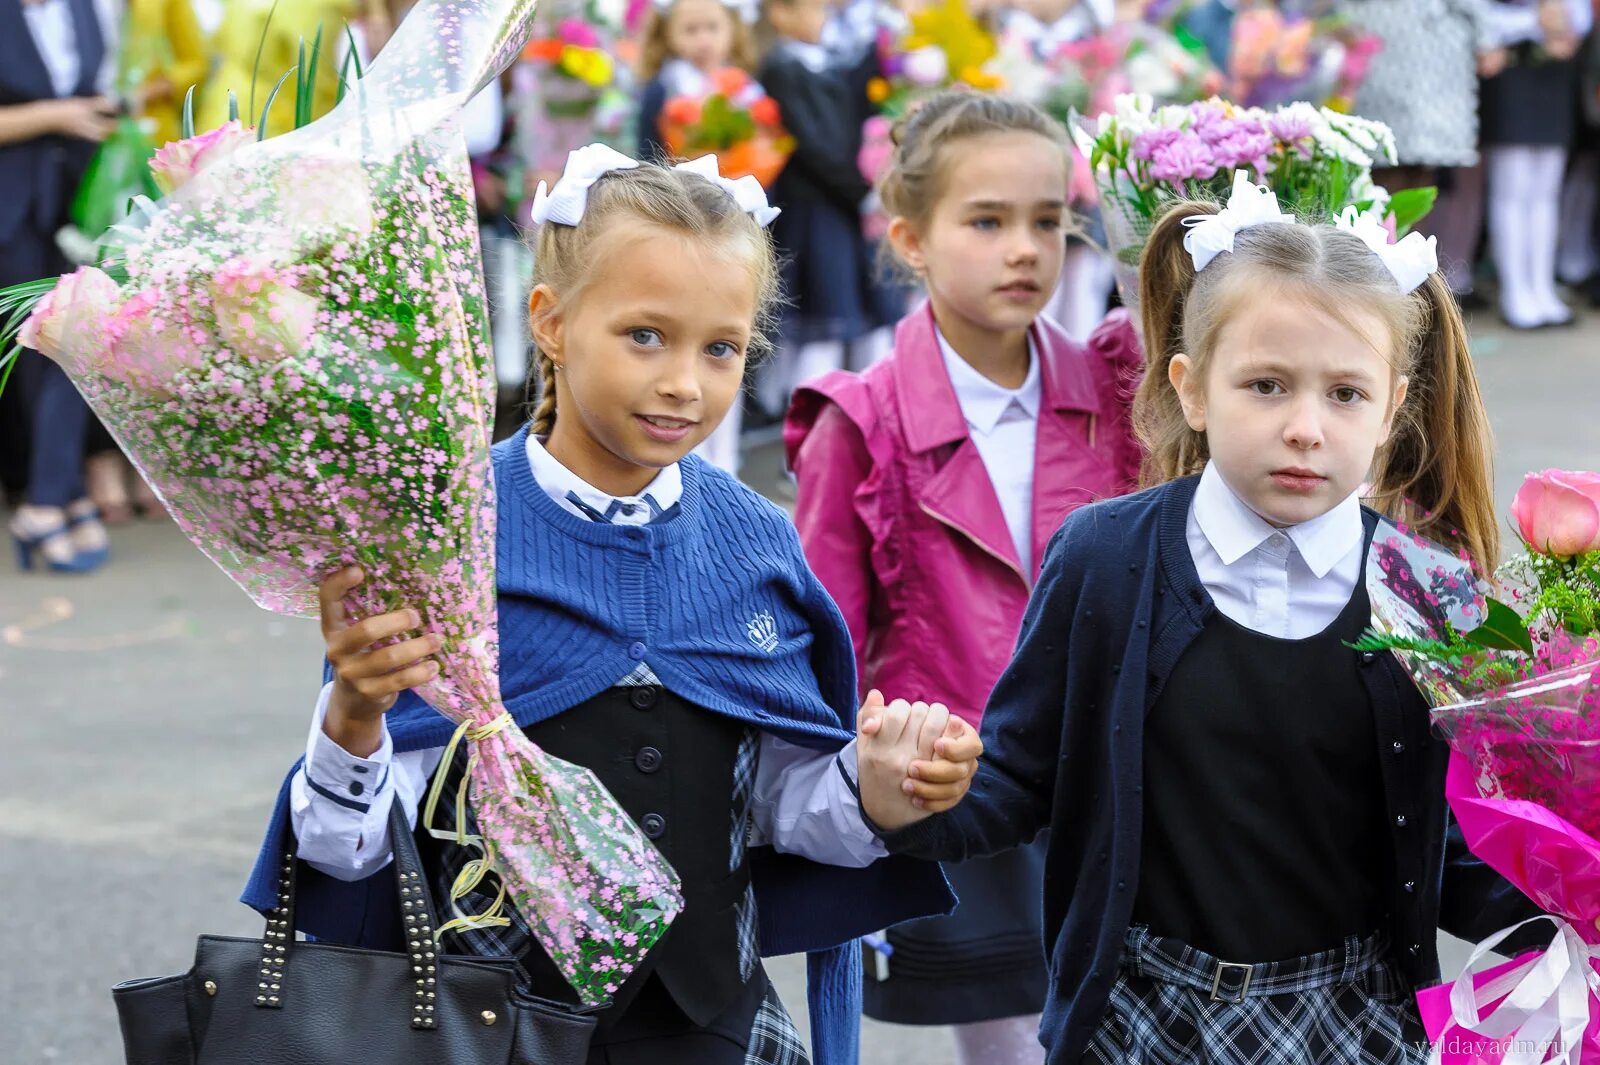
x=1555, y=865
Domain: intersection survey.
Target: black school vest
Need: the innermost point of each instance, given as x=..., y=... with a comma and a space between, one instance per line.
x=1265, y=828
x=673, y=767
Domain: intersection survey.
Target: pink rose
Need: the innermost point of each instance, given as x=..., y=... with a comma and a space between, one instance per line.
x=1558, y=512
x=260, y=314
x=176, y=163
x=64, y=321
x=148, y=345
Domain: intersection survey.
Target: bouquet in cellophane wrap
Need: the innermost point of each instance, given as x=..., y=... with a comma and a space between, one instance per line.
x=293, y=348
x=1146, y=157
x=1513, y=670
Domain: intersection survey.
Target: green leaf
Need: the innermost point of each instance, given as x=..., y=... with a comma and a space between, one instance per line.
x=1502, y=630
x=1410, y=206
x=311, y=75
x=233, y=106
x=261, y=45
x=354, y=55
x=261, y=129
x=187, y=129
x=301, y=96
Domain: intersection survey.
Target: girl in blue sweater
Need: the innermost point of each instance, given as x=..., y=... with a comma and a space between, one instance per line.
x=658, y=625
x=1249, y=856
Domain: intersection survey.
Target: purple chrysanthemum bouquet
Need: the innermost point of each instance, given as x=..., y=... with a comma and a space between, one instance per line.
x=292, y=346
x=1317, y=161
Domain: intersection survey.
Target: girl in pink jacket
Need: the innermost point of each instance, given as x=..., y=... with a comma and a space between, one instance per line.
x=929, y=485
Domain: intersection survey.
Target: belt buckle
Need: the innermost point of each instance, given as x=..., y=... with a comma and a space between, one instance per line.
x=1216, y=982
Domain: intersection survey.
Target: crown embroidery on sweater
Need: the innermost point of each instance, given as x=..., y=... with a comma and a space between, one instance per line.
x=763, y=630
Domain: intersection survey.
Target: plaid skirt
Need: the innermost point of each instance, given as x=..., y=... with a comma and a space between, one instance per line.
x=1175, y=1005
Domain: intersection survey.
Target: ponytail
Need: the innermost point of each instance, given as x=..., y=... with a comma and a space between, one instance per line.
x=1166, y=276
x=1437, y=472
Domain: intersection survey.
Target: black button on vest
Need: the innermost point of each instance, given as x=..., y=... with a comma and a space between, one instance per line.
x=684, y=804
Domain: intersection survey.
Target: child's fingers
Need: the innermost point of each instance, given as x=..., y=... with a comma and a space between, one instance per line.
x=394, y=683
x=388, y=659
x=942, y=772
x=363, y=634
x=937, y=793
x=894, y=719
x=330, y=596
x=869, y=720
x=960, y=743
x=933, y=726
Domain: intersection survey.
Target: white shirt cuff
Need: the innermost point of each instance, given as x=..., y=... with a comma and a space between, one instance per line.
x=340, y=803
x=805, y=803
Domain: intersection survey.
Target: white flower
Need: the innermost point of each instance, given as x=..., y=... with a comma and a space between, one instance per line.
x=927, y=66
x=1151, y=74
x=1133, y=110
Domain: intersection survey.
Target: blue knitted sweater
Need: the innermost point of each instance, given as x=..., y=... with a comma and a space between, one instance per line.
x=722, y=606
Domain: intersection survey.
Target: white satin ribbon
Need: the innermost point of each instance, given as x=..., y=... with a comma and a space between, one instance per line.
x=1409, y=261
x=1548, y=1000
x=565, y=204
x=746, y=191
x=1248, y=205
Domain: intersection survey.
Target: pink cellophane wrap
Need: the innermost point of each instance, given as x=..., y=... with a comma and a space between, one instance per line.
x=1545, y=1005
x=293, y=347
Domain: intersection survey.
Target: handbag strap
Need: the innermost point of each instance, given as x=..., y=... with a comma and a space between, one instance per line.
x=416, y=911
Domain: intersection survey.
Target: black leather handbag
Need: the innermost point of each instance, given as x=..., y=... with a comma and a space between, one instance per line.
x=278, y=1001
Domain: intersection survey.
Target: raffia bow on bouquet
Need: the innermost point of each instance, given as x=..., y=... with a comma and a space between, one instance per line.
x=293, y=348
x=1513, y=668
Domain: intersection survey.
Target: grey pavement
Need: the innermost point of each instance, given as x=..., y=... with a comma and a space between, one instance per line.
x=149, y=711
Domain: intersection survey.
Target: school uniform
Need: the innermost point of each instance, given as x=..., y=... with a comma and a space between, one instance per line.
x=1250, y=847
x=828, y=269
x=675, y=644
x=923, y=458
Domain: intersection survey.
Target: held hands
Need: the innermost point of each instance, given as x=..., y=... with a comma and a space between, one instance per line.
x=371, y=662
x=913, y=760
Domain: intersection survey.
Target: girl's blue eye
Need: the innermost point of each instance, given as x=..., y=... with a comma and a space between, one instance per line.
x=722, y=350
x=1050, y=223
x=986, y=223
x=645, y=338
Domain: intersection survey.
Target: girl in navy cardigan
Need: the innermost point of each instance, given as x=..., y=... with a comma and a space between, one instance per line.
x=659, y=626
x=1249, y=853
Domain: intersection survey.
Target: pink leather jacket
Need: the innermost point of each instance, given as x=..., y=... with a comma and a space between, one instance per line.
x=900, y=520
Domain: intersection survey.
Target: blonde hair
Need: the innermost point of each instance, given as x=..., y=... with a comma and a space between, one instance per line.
x=1436, y=470
x=660, y=196
x=655, y=49
x=926, y=138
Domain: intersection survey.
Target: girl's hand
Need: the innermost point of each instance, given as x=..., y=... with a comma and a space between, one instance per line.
x=896, y=737
x=368, y=678
x=1491, y=62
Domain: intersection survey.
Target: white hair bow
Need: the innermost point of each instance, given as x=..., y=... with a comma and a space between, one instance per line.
x=1409, y=260
x=1248, y=205
x=746, y=191
x=565, y=204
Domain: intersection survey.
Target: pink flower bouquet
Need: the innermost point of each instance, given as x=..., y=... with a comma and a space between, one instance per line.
x=293, y=348
x=1515, y=679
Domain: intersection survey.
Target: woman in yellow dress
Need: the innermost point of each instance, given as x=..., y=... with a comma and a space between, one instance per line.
x=166, y=52
x=245, y=24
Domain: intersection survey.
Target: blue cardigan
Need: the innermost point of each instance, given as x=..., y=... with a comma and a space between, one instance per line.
x=721, y=604
x=1117, y=604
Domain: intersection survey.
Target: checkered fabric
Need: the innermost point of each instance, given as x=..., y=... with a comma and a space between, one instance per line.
x=774, y=1040
x=1174, y=1005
